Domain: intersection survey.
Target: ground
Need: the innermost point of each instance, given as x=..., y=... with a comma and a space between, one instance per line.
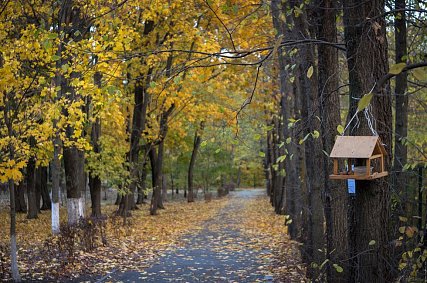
x=234, y=239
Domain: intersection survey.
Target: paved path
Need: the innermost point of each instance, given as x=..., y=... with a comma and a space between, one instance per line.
x=217, y=253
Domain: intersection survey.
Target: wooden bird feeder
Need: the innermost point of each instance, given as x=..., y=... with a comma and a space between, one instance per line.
x=368, y=151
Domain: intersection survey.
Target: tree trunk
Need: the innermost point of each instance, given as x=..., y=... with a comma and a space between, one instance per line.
x=155, y=180
x=75, y=182
x=33, y=203
x=156, y=159
x=196, y=145
x=56, y=167
x=20, y=203
x=164, y=189
x=142, y=183
x=401, y=117
x=41, y=184
x=141, y=100
x=94, y=180
x=13, y=249
x=307, y=89
x=336, y=197
x=367, y=59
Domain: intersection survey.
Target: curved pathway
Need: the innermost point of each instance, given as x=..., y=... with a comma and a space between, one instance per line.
x=216, y=253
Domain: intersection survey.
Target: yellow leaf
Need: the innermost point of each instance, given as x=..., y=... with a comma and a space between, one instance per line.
x=310, y=72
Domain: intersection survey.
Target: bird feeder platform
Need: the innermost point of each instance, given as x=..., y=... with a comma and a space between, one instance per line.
x=361, y=150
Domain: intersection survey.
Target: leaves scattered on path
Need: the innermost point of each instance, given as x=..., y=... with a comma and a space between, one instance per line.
x=129, y=247
x=268, y=231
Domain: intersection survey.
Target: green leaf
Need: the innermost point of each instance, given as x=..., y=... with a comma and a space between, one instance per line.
x=338, y=268
x=52, y=35
x=262, y=154
x=65, y=67
x=55, y=57
x=364, y=101
x=218, y=150
x=47, y=44
x=288, y=140
x=340, y=129
x=204, y=143
x=315, y=134
x=111, y=89
x=403, y=219
x=257, y=137
x=177, y=80
x=152, y=84
x=310, y=72
x=372, y=242
x=397, y=68
x=420, y=74
x=281, y=158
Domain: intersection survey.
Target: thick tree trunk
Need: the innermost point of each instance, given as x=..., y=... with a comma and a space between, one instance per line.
x=401, y=117
x=367, y=59
x=196, y=145
x=336, y=196
x=33, y=203
x=20, y=203
x=307, y=89
x=75, y=182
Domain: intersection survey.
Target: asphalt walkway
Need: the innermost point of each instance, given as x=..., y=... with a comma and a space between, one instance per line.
x=219, y=252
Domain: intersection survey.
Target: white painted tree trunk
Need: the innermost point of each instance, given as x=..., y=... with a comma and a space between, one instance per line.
x=75, y=209
x=55, y=218
x=14, y=259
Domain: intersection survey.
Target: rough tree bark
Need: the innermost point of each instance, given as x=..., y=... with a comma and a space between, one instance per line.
x=401, y=117
x=367, y=58
x=307, y=89
x=196, y=145
x=336, y=196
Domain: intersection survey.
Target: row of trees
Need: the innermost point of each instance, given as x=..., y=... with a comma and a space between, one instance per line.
x=346, y=47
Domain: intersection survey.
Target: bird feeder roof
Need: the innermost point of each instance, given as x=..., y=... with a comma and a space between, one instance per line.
x=357, y=147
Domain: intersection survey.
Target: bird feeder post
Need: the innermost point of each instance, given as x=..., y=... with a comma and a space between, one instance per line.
x=368, y=167
x=335, y=166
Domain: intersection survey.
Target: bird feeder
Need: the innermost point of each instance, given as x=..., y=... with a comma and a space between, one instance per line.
x=364, y=156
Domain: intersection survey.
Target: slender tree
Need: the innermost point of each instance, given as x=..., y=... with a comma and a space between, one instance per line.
x=196, y=145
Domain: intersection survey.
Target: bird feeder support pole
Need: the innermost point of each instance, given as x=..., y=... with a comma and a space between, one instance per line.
x=335, y=166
